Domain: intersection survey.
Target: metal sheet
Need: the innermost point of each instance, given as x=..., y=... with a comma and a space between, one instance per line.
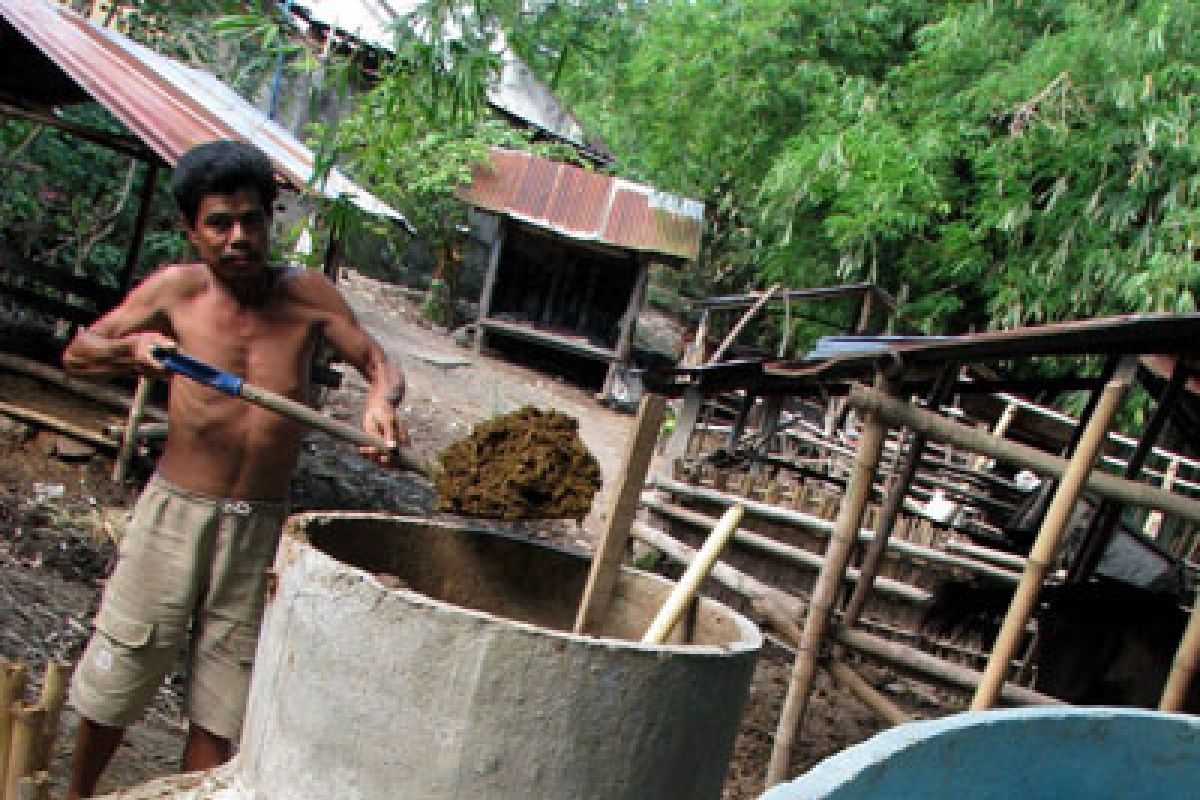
x=586, y=206
x=168, y=105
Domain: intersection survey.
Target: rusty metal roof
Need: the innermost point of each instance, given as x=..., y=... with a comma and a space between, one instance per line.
x=167, y=105
x=585, y=205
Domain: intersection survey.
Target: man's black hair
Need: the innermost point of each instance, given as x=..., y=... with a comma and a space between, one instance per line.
x=221, y=167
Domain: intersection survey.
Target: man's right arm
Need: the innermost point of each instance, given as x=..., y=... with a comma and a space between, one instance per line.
x=122, y=339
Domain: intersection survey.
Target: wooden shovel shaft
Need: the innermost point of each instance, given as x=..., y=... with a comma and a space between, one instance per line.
x=342, y=430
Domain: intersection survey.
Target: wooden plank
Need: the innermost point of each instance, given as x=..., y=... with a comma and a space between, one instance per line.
x=606, y=560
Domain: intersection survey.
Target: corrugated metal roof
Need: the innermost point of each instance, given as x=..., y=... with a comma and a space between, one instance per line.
x=585, y=205
x=517, y=93
x=168, y=105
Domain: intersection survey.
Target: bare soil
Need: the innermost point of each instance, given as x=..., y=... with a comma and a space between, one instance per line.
x=54, y=516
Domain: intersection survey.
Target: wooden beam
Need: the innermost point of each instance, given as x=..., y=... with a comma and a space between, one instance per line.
x=606, y=560
x=935, y=426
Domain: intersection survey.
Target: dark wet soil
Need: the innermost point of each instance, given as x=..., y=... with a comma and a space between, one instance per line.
x=527, y=464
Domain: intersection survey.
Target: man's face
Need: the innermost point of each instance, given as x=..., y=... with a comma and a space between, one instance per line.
x=231, y=233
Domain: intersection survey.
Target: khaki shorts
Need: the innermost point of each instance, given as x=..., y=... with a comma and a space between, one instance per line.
x=191, y=573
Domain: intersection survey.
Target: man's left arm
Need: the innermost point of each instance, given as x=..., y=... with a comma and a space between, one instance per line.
x=354, y=345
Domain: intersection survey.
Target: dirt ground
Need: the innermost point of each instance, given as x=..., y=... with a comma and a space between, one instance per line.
x=53, y=513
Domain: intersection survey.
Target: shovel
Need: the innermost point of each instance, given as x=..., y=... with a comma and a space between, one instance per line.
x=231, y=384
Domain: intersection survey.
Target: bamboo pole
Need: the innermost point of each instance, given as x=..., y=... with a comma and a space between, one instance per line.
x=1183, y=667
x=13, y=676
x=54, y=693
x=793, y=555
x=102, y=394
x=741, y=323
x=842, y=673
x=871, y=697
x=736, y=581
x=697, y=571
x=1046, y=545
x=27, y=723
x=60, y=425
x=1009, y=561
x=823, y=527
x=129, y=435
x=1120, y=489
x=606, y=560
x=903, y=657
x=829, y=580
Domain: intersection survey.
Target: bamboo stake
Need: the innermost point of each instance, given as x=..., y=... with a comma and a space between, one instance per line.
x=736, y=581
x=1045, y=546
x=696, y=572
x=13, y=675
x=129, y=435
x=54, y=693
x=27, y=722
x=606, y=561
x=1122, y=490
x=1183, y=667
x=829, y=580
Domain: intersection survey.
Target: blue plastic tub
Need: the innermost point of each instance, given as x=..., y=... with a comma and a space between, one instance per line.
x=1026, y=753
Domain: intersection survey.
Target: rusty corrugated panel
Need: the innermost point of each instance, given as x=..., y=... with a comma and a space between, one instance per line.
x=166, y=104
x=585, y=205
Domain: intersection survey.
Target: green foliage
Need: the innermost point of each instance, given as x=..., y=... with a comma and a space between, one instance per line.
x=1009, y=162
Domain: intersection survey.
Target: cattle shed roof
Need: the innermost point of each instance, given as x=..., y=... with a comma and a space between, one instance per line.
x=167, y=105
x=585, y=205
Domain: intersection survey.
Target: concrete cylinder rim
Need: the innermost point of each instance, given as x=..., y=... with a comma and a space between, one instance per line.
x=296, y=527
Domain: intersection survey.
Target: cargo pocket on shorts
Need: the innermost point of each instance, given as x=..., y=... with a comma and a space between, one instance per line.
x=124, y=630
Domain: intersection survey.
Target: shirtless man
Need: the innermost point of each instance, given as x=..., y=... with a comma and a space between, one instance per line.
x=192, y=569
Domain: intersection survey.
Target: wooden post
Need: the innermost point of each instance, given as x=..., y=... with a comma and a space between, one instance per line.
x=489, y=286
x=687, y=587
x=685, y=426
x=1183, y=667
x=606, y=560
x=54, y=693
x=27, y=724
x=628, y=324
x=129, y=435
x=820, y=610
x=12, y=689
x=1045, y=546
x=741, y=323
x=139, y=225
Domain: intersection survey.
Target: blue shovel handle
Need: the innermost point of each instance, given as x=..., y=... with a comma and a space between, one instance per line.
x=198, y=371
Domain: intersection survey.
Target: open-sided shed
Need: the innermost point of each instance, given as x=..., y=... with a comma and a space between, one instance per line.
x=571, y=251
x=51, y=57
